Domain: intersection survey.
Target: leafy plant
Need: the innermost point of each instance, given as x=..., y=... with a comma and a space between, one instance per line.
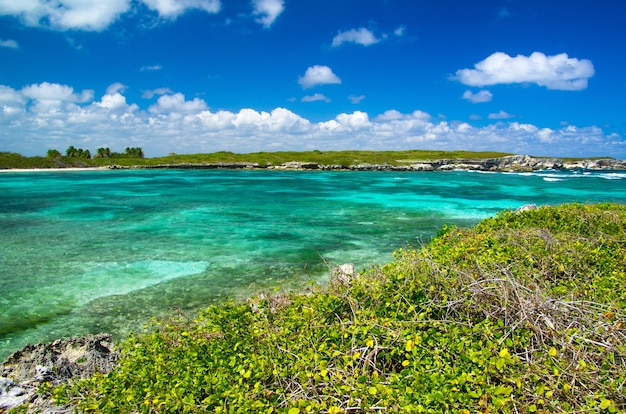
x=523, y=313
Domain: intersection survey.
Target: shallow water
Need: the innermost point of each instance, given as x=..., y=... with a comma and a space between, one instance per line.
x=93, y=251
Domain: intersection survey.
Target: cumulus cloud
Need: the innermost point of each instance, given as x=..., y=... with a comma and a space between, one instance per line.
x=176, y=104
x=500, y=115
x=49, y=115
x=315, y=97
x=115, y=88
x=149, y=94
x=267, y=11
x=51, y=96
x=318, y=75
x=94, y=15
x=361, y=36
x=11, y=101
x=355, y=99
x=171, y=9
x=478, y=97
x=66, y=14
x=554, y=72
x=10, y=44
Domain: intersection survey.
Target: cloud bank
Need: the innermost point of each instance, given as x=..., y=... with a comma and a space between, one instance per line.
x=48, y=115
x=554, y=72
x=97, y=15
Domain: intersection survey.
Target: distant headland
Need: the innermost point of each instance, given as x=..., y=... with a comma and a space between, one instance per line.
x=409, y=160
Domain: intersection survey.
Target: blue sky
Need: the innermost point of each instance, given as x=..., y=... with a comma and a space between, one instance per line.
x=187, y=76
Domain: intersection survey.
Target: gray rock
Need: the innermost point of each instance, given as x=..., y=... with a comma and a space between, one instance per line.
x=342, y=275
x=11, y=394
x=56, y=363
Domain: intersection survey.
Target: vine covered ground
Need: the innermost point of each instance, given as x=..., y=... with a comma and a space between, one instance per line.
x=526, y=312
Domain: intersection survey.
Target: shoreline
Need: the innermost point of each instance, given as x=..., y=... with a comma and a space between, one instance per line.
x=513, y=163
x=72, y=169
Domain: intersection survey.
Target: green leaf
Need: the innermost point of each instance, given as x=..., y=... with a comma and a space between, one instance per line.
x=604, y=404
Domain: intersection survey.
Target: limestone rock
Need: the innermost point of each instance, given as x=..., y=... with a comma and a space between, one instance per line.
x=342, y=275
x=56, y=362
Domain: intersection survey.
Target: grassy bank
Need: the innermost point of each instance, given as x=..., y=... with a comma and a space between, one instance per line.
x=345, y=158
x=523, y=313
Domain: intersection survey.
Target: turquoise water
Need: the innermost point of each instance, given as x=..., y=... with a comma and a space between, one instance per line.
x=103, y=251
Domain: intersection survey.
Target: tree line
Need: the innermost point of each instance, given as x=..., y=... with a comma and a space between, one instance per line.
x=73, y=152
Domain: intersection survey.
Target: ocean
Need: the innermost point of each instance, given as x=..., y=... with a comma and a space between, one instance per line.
x=105, y=251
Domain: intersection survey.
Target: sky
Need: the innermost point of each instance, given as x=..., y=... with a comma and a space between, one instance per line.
x=536, y=77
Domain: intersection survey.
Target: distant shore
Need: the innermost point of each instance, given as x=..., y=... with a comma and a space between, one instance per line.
x=13, y=170
x=517, y=163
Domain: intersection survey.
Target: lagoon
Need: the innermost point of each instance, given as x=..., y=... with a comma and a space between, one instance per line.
x=104, y=251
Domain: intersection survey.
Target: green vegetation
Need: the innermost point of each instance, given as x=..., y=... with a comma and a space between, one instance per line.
x=523, y=313
x=52, y=160
x=73, y=152
x=344, y=158
x=134, y=156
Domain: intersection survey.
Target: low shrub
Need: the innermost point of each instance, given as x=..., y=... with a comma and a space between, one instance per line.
x=523, y=313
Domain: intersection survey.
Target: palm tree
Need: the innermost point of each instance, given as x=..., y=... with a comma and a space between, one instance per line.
x=71, y=151
x=134, y=152
x=103, y=153
x=52, y=153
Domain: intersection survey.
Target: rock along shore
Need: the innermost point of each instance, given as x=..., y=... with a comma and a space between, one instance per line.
x=71, y=358
x=503, y=164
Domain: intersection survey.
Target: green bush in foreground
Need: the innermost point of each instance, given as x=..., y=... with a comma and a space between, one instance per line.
x=524, y=313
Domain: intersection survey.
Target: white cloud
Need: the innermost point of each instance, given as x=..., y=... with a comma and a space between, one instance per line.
x=361, y=36
x=171, y=9
x=12, y=102
x=116, y=102
x=355, y=99
x=94, y=15
x=318, y=75
x=267, y=11
x=400, y=31
x=554, y=72
x=315, y=97
x=51, y=115
x=500, y=115
x=149, y=94
x=66, y=14
x=395, y=115
x=116, y=87
x=176, y=105
x=10, y=44
x=151, y=68
x=478, y=97
x=50, y=97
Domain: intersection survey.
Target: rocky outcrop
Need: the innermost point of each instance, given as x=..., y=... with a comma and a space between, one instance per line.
x=56, y=362
x=510, y=163
x=298, y=165
x=196, y=166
